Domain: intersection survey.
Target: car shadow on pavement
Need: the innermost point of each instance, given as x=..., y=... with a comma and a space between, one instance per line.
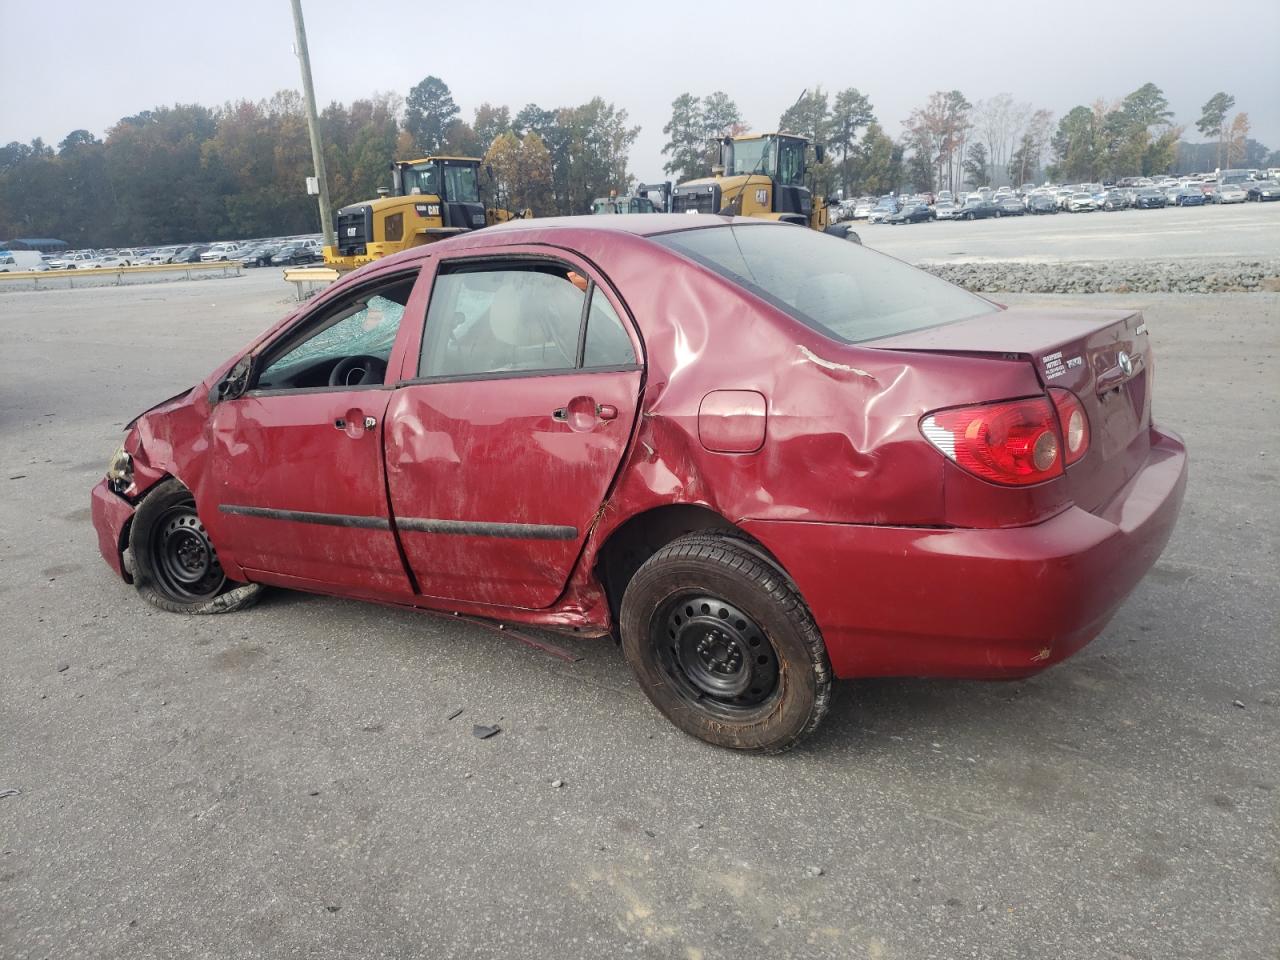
x=877, y=715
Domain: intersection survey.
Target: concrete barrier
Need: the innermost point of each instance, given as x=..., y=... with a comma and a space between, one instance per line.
x=94, y=276
x=306, y=280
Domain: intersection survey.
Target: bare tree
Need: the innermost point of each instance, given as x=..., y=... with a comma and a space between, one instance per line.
x=1001, y=122
x=991, y=119
x=1026, y=158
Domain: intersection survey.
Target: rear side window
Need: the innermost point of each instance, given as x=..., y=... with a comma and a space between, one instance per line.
x=839, y=288
x=487, y=320
x=607, y=343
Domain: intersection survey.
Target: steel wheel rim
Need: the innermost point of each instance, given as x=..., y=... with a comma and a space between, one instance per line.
x=185, y=562
x=717, y=656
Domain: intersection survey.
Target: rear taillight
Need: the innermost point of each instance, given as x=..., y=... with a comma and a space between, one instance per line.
x=1014, y=442
x=1075, y=425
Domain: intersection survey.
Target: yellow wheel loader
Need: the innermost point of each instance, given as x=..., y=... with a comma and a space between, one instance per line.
x=429, y=199
x=761, y=175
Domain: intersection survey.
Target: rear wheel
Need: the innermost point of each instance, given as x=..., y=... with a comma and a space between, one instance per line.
x=723, y=645
x=175, y=565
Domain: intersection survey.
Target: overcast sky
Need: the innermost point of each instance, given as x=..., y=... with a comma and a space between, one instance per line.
x=96, y=62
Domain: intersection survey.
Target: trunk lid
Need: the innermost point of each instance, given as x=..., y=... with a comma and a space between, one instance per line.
x=1102, y=356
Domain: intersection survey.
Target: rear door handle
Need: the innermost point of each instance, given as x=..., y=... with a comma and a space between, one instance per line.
x=340, y=423
x=604, y=411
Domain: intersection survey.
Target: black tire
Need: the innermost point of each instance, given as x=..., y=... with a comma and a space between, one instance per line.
x=724, y=646
x=174, y=564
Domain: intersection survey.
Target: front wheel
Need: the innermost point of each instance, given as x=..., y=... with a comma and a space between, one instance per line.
x=724, y=646
x=175, y=565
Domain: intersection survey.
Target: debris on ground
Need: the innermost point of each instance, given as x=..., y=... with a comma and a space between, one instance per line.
x=10, y=792
x=455, y=715
x=482, y=732
x=1238, y=703
x=816, y=871
x=63, y=667
x=557, y=784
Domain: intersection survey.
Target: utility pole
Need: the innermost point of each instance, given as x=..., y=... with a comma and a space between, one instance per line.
x=313, y=124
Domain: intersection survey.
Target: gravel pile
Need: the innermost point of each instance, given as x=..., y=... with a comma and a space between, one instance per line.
x=1115, y=276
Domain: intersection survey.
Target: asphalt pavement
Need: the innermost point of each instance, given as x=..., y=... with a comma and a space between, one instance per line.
x=292, y=781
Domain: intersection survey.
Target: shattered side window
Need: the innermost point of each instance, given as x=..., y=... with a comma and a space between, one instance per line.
x=370, y=330
x=364, y=325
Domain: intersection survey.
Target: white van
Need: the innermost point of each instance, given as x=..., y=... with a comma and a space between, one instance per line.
x=13, y=261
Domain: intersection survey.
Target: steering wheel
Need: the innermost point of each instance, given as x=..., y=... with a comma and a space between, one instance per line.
x=357, y=371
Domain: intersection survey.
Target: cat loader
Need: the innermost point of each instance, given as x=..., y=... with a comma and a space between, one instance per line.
x=761, y=175
x=429, y=199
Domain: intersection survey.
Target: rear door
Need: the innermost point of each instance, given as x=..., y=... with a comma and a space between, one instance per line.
x=504, y=445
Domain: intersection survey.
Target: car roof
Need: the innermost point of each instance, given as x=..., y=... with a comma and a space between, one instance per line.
x=641, y=224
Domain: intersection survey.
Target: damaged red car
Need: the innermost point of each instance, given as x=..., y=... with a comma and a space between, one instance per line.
x=760, y=457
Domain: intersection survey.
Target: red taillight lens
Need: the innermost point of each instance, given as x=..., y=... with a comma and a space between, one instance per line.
x=1015, y=442
x=1075, y=425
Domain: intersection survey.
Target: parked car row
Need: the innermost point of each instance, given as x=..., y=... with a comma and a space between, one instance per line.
x=1141, y=193
x=281, y=251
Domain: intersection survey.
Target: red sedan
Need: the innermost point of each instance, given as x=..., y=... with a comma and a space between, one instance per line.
x=759, y=456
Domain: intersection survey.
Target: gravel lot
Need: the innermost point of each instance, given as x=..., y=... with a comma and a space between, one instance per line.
x=1246, y=231
x=286, y=782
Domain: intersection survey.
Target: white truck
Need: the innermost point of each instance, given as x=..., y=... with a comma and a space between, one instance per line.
x=15, y=261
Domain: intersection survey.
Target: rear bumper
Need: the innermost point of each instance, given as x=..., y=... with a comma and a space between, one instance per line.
x=990, y=604
x=111, y=516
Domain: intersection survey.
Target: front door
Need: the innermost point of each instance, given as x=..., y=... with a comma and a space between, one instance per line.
x=298, y=493
x=501, y=451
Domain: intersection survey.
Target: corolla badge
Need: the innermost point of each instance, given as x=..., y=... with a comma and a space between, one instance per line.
x=1126, y=362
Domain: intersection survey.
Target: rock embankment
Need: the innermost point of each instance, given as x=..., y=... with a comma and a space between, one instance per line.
x=1114, y=276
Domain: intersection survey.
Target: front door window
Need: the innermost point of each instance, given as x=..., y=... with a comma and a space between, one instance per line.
x=348, y=344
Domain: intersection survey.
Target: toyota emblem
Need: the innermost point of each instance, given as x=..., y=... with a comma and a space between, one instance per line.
x=1126, y=363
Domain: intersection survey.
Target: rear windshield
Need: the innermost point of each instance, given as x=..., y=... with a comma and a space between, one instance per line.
x=837, y=287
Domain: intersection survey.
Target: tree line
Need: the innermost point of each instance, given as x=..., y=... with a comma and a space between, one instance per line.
x=189, y=172
x=949, y=142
